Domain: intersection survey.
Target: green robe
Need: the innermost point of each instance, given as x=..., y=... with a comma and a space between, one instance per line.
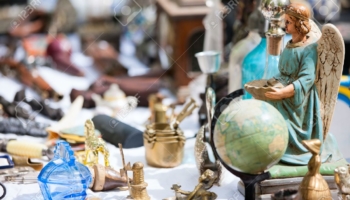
x=297, y=66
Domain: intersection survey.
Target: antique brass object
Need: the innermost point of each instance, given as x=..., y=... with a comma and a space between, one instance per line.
x=164, y=142
x=313, y=186
x=342, y=179
x=106, y=178
x=164, y=146
x=94, y=146
x=137, y=190
x=200, y=150
x=159, y=110
x=186, y=111
x=206, y=181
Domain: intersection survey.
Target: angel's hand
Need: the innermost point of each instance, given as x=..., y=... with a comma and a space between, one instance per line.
x=277, y=94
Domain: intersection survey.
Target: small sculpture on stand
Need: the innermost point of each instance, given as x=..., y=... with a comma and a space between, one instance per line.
x=342, y=179
x=137, y=190
x=313, y=185
x=209, y=63
x=201, y=152
x=94, y=146
x=206, y=181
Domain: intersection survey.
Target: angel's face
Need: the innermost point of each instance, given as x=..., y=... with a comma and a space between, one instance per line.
x=290, y=26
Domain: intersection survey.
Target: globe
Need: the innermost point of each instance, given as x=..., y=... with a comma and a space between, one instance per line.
x=250, y=136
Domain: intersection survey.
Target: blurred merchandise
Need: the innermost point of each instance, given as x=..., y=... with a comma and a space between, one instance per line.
x=41, y=106
x=106, y=178
x=213, y=37
x=64, y=18
x=256, y=26
x=29, y=77
x=115, y=132
x=114, y=101
x=60, y=50
x=140, y=87
x=94, y=146
x=23, y=127
x=25, y=149
x=105, y=57
x=21, y=161
x=67, y=121
x=180, y=35
x=64, y=177
x=6, y=162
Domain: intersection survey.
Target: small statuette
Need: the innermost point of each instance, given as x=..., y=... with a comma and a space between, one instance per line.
x=206, y=181
x=94, y=146
x=313, y=185
x=137, y=190
x=342, y=179
x=138, y=187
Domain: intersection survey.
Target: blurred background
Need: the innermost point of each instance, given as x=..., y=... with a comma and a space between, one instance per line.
x=56, y=50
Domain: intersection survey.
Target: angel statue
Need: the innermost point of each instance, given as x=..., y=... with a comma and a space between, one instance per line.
x=309, y=73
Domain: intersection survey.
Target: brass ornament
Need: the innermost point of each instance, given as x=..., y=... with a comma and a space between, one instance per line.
x=94, y=146
x=313, y=186
x=342, y=179
x=202, y=158
x=164, y=143
x=205, y=182
x=137, y=189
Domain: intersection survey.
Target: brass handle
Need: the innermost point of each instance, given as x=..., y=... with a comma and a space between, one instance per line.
x=187, y=110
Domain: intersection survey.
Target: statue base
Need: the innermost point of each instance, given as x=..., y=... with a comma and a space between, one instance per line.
x=264, y=189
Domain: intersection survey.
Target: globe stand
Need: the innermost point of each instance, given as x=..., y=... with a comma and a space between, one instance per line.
x=249, y=180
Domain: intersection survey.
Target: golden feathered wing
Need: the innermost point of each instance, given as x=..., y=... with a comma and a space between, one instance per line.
x=330, y=63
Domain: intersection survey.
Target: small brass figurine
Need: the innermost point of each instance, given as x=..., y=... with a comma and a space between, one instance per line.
x=201, y=152
x=342, y=179
x=206, y=181
x=202, y=158
x=137, y=190
x=313, y=186
x=94, y=145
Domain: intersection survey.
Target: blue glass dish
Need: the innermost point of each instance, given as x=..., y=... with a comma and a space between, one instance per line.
x=63, y=177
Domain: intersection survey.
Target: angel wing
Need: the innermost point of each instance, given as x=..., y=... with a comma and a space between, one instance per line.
x=330, y=63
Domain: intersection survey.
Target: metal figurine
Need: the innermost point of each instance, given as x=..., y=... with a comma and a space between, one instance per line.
x=137, y=190
x=342, y=179
x=206, y=181
x=94, y=145
x=138, y=187
x=313, y=185
x=201, y=152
